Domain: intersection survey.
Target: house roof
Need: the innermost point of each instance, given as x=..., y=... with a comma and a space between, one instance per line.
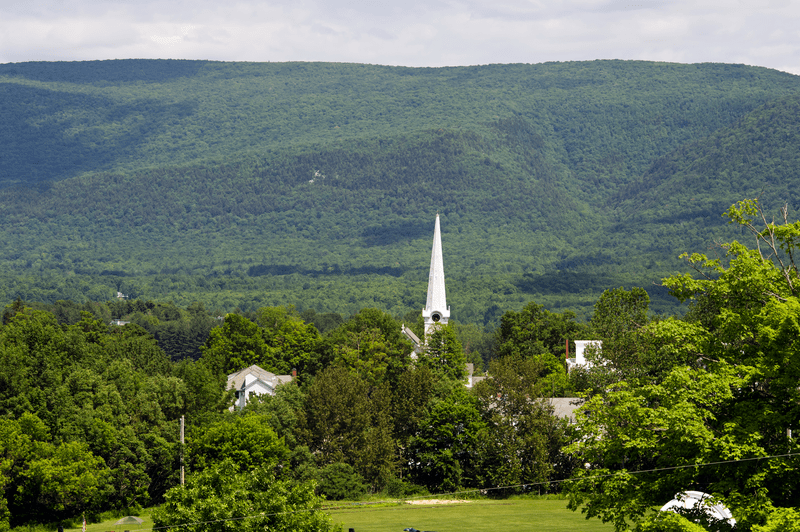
x=238, y=379
x=410, y=335
x=565, y=406
x=476, y=380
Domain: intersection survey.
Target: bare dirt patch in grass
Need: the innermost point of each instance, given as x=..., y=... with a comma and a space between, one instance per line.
x=436, y=501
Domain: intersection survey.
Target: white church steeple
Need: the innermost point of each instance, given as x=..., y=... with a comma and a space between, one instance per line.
x=436, y=309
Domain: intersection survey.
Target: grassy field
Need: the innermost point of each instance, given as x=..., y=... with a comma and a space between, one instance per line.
x=540, y=515
x=514, y=515
x=109, y=526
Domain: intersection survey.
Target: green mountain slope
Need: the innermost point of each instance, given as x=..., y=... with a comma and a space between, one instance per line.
x=760, y=152
x=686, y=191
x=316, y=184
x=67, y=118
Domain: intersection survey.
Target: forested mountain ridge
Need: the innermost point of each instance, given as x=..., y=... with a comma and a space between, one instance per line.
x=309, y=183
x=762, y=149
x=687, y=190
x=132, y=113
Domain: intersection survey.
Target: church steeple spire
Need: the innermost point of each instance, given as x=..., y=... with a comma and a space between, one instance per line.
x=436, y=309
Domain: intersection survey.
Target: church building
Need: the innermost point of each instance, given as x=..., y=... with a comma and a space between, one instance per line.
x=436, y=309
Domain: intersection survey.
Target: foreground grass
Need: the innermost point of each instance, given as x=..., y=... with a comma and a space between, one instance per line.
x=540, y=515
x=482, y=515
x=107, y=525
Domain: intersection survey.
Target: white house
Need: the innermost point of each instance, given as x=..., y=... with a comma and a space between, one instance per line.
x=472, y=379
x=580, y=348
x=254, y=381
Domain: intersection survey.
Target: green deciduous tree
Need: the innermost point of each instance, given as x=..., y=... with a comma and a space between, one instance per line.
x=346, y=420
x=674, y=423
x=732, y=395
x=281, y=411
x=629, y=349
x=224, y=499
x=781, y=520
x=668, y=522
x=137, y=345
x=293, y=343
x=205, y=394
x=247, y=441
x=619, y=311
x=97, y=390
x=539, y=334
x=443, y=354
x=45, y=480
x=239, y=343
x=524, y=438
x=340, y=481
x=370, y=344
x=280, y=342
x=410, y=402
x=62, y=480
x=365, y=353
x=446, y=452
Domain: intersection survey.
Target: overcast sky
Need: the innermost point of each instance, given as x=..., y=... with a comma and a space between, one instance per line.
x=405, y=32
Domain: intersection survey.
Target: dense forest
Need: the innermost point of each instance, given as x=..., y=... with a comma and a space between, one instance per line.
x=91, y=394
x=316, y=185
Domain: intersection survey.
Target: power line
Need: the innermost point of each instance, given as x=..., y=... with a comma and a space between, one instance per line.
x=687, y=466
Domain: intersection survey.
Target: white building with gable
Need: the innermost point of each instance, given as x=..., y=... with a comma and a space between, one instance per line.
x=253, y=381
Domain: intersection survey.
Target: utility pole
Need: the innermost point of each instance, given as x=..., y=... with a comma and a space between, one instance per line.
x=182, y=442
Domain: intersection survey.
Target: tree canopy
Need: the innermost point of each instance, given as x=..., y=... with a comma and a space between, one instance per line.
x=720, y=420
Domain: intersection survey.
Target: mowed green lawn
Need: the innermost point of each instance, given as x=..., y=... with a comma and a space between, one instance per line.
x=540, y=515
x=109, y=526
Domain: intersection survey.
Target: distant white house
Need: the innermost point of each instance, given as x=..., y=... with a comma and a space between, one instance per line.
x=580, y=348
x=472, y=379
x=254, y=381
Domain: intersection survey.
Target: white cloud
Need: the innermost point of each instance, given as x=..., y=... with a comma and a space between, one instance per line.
x=412, y=32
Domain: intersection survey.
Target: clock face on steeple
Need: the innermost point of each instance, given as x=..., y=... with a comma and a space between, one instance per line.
x=436, y=317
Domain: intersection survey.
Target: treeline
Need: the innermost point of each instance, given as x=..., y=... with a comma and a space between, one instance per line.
x=178, y=332
x=92, y=393
x=481, y=299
